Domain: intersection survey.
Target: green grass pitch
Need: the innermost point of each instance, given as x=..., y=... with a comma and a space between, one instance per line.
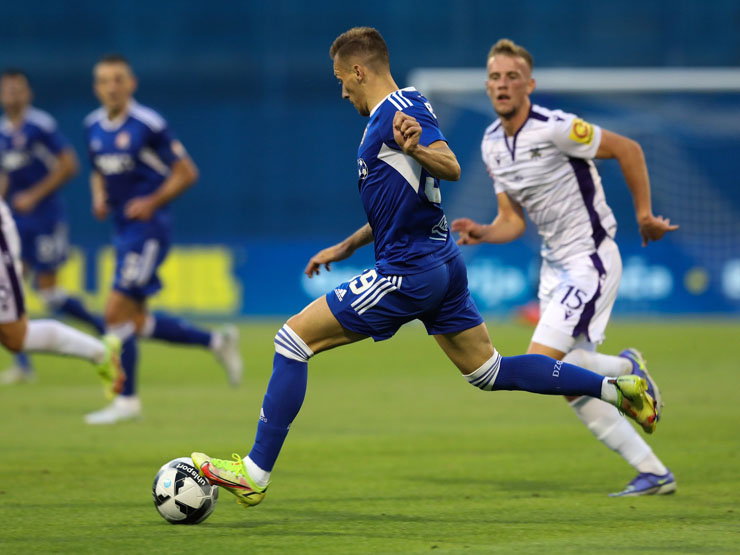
x=393, y=452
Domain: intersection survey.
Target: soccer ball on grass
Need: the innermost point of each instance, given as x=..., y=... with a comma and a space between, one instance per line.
x=181, y=495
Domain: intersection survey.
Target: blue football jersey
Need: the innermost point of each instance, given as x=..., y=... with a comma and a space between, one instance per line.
x=401, y=199
x=27, y=154
x=134, y=154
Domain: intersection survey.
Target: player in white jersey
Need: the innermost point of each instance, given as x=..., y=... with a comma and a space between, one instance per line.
x=541, y=161
x=18, y=333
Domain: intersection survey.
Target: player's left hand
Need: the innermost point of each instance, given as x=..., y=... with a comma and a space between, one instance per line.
x=140, y=208
x=653, y=228
x=24, y=202
x=406, y=132
x=324, y=258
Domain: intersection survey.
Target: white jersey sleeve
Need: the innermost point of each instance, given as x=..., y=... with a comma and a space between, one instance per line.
x=574, y=136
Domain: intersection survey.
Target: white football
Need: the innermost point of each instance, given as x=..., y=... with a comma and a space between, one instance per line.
x=181, y=495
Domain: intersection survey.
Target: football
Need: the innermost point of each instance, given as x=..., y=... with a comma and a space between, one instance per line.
x=181, y=495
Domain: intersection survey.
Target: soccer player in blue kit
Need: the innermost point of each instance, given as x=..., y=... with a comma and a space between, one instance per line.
x=35, y=161
x=138, y=168
x=419, y=274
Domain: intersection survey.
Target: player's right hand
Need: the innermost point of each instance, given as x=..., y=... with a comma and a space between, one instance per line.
x=471, y=233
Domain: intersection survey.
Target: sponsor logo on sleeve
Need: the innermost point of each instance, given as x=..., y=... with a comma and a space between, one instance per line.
x=581, y=132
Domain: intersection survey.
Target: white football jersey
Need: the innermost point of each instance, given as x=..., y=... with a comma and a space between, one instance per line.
x=546, y=167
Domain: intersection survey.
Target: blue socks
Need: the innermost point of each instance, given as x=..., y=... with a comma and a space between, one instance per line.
x=536, y=374
x=284, y=397
x=176, y=330
x=23, y=362
x=129, y=358
x=73, y=307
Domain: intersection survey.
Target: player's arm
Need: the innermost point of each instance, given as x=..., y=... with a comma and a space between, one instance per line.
x=437, y=158
x=340, y=251
x=99, y=195
x=508, y=225
x=3, y=183
x=632, y=161
x=183, y=173
x=64, y=169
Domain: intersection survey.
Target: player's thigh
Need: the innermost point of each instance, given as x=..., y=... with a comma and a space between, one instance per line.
x=121, y=308
x=468, y=349
x=13, y=334
x=320, y=329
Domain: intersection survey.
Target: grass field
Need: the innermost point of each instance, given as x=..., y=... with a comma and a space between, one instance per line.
x=393, y=452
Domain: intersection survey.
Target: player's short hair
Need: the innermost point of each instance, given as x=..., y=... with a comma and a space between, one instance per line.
x=365, y=42
x=508, y=47
x=115, y=59
x=14, y=72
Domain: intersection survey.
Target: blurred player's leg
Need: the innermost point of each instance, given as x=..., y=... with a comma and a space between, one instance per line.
x=126, y=406
x=20, y=372
x=58, y=301
x=122, y=315
x=223, y=343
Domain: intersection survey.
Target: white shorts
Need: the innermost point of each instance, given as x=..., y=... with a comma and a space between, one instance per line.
x=576, y=298
x=12, y=305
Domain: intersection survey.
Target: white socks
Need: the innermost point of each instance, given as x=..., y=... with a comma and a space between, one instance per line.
x=617, y=434
x=260, y=477
x=54, y=337
x=606, y=365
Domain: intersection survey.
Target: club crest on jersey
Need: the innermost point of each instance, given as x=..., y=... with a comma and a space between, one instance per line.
x=581, y=132
x=361, y=169
x=96, y=144
x=123, y=140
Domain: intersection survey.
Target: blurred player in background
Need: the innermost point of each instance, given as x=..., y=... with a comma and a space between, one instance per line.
x=540, y=161
x=419, y=273
x=138, y=167
x=18, y=333
x=35, y=161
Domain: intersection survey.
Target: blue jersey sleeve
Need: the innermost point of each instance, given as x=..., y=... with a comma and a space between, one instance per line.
x=430, y=131
x=167, y=147
x=54, y=140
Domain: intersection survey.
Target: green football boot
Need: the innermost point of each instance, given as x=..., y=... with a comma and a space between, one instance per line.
x=231, y=475
x=110, y=370
x=634, y=400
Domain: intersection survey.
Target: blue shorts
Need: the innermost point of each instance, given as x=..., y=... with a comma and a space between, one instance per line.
x=376, y=305
x=138, y=258
x=44, y=244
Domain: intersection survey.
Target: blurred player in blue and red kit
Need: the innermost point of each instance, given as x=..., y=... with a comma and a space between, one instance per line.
x=138, y=168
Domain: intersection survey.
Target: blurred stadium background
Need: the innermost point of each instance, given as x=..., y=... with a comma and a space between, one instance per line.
x=248, y=87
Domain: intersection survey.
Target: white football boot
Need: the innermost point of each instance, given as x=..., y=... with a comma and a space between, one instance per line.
x=17, y=374
x=228, y=354
x=121, y=409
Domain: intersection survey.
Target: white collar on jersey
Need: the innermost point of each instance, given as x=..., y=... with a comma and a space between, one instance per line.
x=113, y=124
x=7, y=126
x=386, y=98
